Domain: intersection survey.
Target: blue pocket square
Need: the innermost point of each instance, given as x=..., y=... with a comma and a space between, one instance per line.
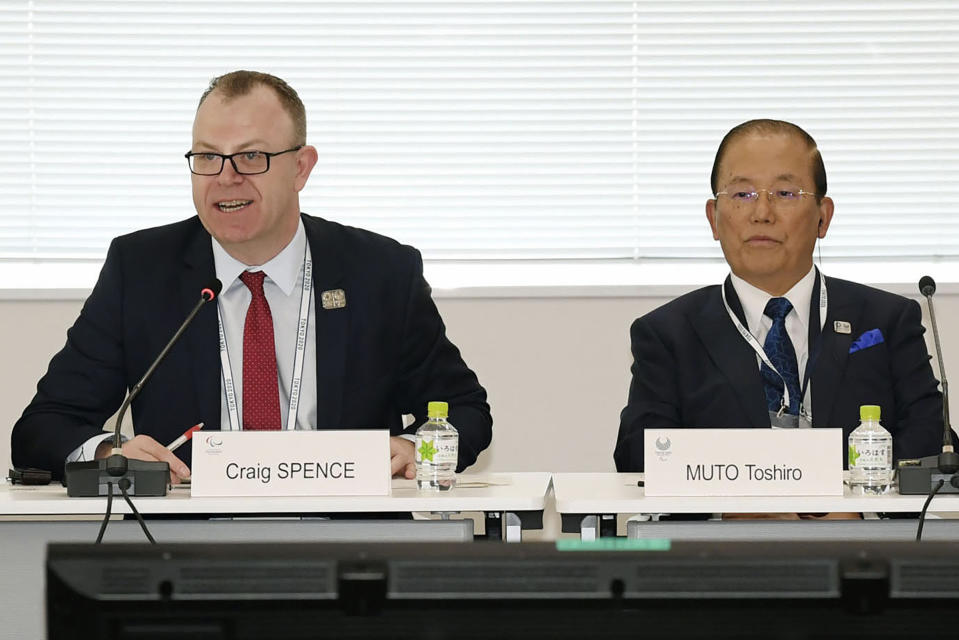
x=866, y=340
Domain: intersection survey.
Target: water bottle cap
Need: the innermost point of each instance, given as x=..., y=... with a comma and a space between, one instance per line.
x=869, y=412
x=437, y=409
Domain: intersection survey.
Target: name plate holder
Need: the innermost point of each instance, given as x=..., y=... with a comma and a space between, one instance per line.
x=353, y=462
x=743, y=462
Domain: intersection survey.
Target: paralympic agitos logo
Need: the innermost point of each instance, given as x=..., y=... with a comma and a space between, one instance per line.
x=213, y=444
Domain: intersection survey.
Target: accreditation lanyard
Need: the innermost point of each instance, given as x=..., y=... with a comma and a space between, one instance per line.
x=812, y=350
x=306, y=295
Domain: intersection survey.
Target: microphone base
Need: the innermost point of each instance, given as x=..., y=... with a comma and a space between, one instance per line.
x=919, y=479
x=90, y=479
x=949, y=461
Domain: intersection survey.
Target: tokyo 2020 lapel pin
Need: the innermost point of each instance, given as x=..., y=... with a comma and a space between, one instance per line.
x=841, y=326
x=333, y=299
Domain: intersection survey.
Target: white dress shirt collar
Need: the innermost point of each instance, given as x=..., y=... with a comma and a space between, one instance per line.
x=283, y=269
x=754, y=300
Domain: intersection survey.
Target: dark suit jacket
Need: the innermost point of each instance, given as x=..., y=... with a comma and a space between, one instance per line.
x=385, y=354
x=691, y=368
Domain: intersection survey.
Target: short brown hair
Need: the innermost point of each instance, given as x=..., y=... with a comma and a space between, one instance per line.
x=771, y=127
x=240, y=83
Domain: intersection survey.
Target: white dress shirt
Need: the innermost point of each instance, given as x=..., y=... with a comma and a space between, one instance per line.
x=754, y=302
x=283, y=287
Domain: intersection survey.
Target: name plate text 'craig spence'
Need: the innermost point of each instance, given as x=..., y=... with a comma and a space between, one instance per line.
x=291, y=463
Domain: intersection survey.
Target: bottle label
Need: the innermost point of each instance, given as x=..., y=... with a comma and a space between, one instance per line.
x=871, y=456
x=433, y=451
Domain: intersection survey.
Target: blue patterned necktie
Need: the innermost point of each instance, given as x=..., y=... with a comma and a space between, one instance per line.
x=780, y=351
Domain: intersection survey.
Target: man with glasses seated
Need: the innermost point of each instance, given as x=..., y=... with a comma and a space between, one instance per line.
x=373, y=346
x=778, y=343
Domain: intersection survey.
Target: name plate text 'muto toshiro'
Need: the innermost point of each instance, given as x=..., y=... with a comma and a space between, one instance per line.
x=291, y=463
x=743, y=462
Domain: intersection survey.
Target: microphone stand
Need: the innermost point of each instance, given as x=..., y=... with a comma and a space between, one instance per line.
x=922, y=476
x=134, y=477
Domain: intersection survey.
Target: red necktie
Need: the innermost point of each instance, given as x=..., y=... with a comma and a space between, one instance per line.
x=261, y=393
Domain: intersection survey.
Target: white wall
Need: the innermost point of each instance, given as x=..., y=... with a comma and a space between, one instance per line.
x=557, y=369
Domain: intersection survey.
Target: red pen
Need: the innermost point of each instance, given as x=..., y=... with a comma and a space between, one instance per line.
x=173, y=446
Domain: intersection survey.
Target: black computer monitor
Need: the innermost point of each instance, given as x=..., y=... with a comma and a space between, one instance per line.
x=491, y=591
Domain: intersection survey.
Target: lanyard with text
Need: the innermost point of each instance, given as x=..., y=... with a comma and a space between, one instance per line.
x=306, y=295
x=758, y=348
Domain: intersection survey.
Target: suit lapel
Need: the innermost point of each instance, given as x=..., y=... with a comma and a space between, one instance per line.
x=332, y=325
x=731, y=354
x=203, y=335
x=834, y=353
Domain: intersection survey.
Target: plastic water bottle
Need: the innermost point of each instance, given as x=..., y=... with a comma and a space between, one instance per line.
x=870, y=454
x=437, y=448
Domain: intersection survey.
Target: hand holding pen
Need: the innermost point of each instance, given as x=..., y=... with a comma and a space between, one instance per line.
x=143, y=447
x=179, y=476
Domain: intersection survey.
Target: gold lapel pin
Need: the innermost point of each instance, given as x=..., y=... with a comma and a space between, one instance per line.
x=333, y=299
x=841, y=326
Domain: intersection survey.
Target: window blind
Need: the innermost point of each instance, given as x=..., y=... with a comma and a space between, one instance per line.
x=486, y=130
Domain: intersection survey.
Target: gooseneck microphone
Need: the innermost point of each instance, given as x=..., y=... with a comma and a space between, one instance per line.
x=928, y=475
x=139, y=476
x=207, y=294
x=948, y=459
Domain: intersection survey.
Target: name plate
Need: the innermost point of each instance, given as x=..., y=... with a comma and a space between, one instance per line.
x=291, y=463
x=743, y=462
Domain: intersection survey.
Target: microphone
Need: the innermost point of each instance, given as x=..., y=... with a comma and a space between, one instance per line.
x=917, y=476
x=141, y=477
x=948, y=459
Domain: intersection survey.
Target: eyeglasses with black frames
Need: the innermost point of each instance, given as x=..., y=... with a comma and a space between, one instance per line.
x=246, y=163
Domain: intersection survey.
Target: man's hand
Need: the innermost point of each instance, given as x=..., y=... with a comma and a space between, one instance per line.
x=146, y=448
x=402, y=458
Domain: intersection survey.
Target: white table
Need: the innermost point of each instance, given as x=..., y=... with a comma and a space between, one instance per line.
x=515, y=499
x=31, y=517
x=589, y=503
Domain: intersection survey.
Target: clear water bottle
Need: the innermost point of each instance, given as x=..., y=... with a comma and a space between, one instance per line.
x=437, y=448
x=870, y=454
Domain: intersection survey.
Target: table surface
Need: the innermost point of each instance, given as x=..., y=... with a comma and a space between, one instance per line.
x=599, y=493
x=474, y=492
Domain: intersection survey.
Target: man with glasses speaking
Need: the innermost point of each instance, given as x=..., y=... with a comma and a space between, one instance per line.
x=778, y=343
x=375, y=347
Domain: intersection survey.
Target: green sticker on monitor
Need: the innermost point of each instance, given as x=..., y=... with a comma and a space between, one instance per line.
x=614, y=544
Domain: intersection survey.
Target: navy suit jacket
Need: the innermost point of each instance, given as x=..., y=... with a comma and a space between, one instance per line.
x=385, y=354
x=691, y=368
